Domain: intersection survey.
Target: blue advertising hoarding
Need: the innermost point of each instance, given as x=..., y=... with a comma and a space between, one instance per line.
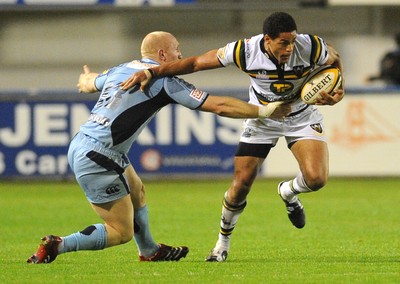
x=97, y=2
x=35, y=132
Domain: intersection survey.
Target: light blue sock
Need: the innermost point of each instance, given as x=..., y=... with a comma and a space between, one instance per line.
x=146, y=245
x=93, y=237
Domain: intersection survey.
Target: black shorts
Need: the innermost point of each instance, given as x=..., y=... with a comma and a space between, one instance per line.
x=253, y=150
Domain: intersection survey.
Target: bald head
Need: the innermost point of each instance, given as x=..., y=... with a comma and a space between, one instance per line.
x=161, y=47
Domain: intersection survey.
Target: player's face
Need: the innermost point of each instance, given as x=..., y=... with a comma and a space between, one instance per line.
x=172, y=52
x=282, y=46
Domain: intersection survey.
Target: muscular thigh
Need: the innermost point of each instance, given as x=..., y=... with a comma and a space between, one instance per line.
x=117, y=214
x=248, y=160
x=312, y=157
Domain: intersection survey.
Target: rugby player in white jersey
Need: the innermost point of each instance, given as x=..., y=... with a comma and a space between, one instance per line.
x=98, y=153
x=277, y=61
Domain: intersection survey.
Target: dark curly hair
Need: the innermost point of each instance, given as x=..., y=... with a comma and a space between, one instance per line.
x=278, y=22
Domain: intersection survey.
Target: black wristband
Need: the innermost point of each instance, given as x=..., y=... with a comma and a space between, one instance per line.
x=152, y=73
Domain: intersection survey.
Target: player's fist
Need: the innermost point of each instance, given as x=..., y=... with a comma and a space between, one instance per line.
x=86, y=81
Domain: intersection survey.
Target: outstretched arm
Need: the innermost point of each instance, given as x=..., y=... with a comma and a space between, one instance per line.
x=86, y=81
x=188, y=65
x=235, y=108
x=208, y=60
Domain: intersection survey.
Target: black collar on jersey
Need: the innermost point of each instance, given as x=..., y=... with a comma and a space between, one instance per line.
x=279, y=67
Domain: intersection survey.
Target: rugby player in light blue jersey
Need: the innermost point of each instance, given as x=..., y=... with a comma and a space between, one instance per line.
x=278, y=62
x=98, y=153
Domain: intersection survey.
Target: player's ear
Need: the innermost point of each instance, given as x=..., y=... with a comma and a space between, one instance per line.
x=161, y=54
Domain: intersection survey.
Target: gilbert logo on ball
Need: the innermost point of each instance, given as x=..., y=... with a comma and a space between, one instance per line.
x=326, y=78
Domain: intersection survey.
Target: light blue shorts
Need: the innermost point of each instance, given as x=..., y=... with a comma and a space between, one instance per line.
x=98, y=170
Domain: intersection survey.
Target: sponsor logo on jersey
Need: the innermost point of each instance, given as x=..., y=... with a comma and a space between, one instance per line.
x=99, y=119
x=247, y=132
x=281, y=88
x=316, y=127
x=248, y=50
x=197, y=94
x=262, y=75
x=298, y=70
x=112, y=189
x=221, y=53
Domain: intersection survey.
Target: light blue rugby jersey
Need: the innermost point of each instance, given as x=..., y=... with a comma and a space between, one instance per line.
x=119, y=116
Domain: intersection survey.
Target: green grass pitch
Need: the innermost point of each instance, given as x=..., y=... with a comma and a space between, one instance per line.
x=352, y=234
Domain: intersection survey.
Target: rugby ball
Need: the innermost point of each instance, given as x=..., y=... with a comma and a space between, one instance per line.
x=326, y=78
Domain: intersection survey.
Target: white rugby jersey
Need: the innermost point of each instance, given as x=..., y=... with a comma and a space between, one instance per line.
x=271, y=82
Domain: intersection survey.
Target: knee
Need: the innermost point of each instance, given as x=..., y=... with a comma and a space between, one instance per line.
x=126, y=236
x=316, y=182
x=243, y=183
x=123, y=235
x=240, y=188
